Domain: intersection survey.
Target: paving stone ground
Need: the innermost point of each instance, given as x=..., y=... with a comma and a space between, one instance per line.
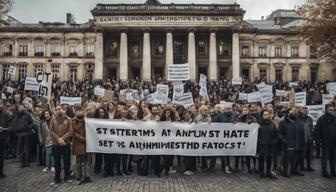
x=34, y=180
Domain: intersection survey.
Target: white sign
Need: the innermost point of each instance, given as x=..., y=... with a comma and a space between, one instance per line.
x=300, y=98
x=315, y=111
x=326, y=98
x=203, y=82
x=71, y=100
x=280, y=93
x=331, y=85
x=242, y=96
x=266, y=99
x=10, y=90
x=237, y=81
x=11, y=70
x=178, y=72
x=185, y=99
x=162, y=92
x=253, y=97
x=261, y=85
x=99, y=91
x=292, y=84
x=3, y=96
x=332, y=91
x=167, y=138
x=45, y=80
x=266, y=90
x=31, y=84
x=178, y=90
x=224, y=104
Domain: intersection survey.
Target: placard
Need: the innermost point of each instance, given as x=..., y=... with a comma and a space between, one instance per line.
x=178, y=72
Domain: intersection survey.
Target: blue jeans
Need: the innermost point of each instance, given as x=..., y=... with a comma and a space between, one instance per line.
x=50, y=161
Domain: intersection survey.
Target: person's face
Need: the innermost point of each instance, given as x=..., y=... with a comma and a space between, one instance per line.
x=20, y=108
x=218, y=109
x=266, y=115
x=101, y=113
x=58, y=109
x=168, y=113
x=111, y=107
x=47, y=115
x=193, y=109
x=121, y=107
x=90, y=110
x=155, y=111
x=245, y=111
x=292, y=112
x=205, y=112
x=143, y=104
x=227, y=109
x=330, y=110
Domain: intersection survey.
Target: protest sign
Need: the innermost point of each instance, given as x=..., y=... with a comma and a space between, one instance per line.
x=71, y=100
x=261, y=85
x=11, y=70
x=167, y=138
x=31, y=84
x=237, y=81
x=203, y=82
x=300, y=98
x=3, y=96
x=162, y=92
x=331, y=85
x=266, y=90
x=10, y=90
x=45, y=80
x=332, y=91
x=292, y=84
x=178, y=72
x=186, y=99
x=315, y=111
x=253, y=97
x=280, y=93
x=178, y=90
x=224, y=104
x=326, y=98
x=242, y=96
x=99, y=91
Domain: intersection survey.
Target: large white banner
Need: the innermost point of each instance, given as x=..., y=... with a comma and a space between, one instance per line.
x=178, y=72
x=31, y=84
x=166, y=138
x=71, y=100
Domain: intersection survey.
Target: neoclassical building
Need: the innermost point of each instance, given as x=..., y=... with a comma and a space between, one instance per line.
x=139, y=40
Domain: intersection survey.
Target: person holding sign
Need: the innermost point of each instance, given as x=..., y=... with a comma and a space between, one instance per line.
x=267, y=140
x=325, y=134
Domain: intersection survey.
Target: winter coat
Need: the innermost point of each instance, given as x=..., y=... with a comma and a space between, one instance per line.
x=4, y=122
x=308, y=125
x=43, y=133
x=79, y=141
x=226, y=117
x=292, y=134
x=61, y=127
x=246, y=119
x=23, y=124
x=267, y=139
x=325, y=130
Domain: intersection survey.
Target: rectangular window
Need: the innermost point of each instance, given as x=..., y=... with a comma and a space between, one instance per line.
x=22, y=71
x=278, y=74
x=39, y=50
x=178, y=47
x=295, y=73
x=73, y=51
x=278, y=52
x=201, y=47
x=263, y=74
x=313, y=54
x=245, y=51
x=90, y=49
x=223, y=48
x=262, y=52
x=55, y=69
x=23, y=50
x=8, y=50
x=295, y=51
x=89, y=71
x=38, y=68
x=5, y=69
x=55, y=50
x=73, y=72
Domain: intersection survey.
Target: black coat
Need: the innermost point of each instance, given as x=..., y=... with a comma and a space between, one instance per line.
x=4, y=122
x=23, y=124
x=292, y=134
x=267, y=139
x=325, y=130
x=227, y=117
x=246, y=119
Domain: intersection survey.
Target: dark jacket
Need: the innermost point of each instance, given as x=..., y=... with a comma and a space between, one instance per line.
x=325, y=129
x=292, y=134
x=308, y=125
x=4, y=122
x=267, y=139
x=23, y=124
x=226, y=117
x=246, y=119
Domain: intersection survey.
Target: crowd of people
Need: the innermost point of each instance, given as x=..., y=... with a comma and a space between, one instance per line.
x=50, y=134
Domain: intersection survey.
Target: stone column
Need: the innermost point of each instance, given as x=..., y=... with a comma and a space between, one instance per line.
x=146, y=60
x=99, y=57
x=213, y=57
x=235, y=56
x=123, y=66
x=169, y=52
x=192, y=55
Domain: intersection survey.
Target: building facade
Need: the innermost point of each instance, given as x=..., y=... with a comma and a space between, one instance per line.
x=126, y=41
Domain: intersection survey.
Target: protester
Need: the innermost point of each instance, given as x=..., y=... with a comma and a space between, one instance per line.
x=4, y=124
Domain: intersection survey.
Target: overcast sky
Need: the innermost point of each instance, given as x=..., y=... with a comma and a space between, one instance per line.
x=33, y=11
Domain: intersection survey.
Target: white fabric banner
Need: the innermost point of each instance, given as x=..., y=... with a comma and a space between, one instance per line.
x=99, y=91
x=31, y=84
x=237, y=81
x=166, y=138
x=11, y=70
x=71, y=100
x=178, y=72
x=253, y=97
x=300, y=98
x=203, y=83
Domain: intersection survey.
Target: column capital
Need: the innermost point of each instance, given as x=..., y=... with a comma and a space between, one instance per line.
x=169, y=30
x=192, y=29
